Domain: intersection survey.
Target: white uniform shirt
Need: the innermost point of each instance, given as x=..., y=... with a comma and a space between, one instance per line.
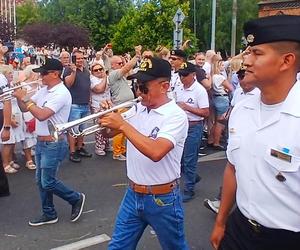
x=194, y=96
x=240, y=95
x=59, y=100
x=168, y=121
x=260, y=196
x=174, y=82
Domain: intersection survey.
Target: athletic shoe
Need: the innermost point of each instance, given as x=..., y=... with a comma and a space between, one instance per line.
x=212, y=205
x=77, y=208
x=43, y=220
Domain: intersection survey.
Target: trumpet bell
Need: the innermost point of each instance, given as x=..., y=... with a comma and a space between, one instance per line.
x=53, y=130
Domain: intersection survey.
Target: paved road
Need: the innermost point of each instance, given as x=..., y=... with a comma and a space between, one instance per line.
x=103, y=181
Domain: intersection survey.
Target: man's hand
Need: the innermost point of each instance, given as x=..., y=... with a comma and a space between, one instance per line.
x=5, y=135
x=73, y=67
x=183, y=105
x=112, y=120
x=217, y=235
x=138, y=50
x=20, y=93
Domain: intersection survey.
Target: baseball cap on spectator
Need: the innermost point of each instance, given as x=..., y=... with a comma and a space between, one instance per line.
x=272, y=29
x=151, y=69
x=51, y=64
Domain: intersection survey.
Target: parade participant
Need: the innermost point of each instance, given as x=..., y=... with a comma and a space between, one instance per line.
x=156, y=136
x=193, y=99
x=77, y=79
x=263, y=169
x=52, y=102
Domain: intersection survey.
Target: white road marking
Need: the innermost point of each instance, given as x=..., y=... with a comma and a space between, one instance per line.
x=213, y=157
x=84, y=243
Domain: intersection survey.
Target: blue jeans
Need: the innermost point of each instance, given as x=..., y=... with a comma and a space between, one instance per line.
x=48, y=156
x=78, y=111
x=190, y=155
x=164, y=213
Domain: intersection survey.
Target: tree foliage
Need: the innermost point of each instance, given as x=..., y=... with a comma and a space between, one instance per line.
x=64, y=35
x=27, y=13
x=149, y=24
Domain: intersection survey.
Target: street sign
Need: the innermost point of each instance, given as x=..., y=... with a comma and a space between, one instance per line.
x=179, y=17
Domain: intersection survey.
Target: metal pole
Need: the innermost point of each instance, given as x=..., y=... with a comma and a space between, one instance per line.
x=195, y=17
x=233, y=31
x=5, y=10
x=9, y=6
x=213, y=25
x=15, y=17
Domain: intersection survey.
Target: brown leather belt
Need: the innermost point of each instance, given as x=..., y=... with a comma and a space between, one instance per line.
x=193, y=123
x=154, y=189
x=49, y=138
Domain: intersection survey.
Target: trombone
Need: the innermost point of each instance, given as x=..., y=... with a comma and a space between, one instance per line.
x=6, y=95
x=57, y=129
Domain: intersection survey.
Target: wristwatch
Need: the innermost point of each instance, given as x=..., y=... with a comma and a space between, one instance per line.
x=6, y=127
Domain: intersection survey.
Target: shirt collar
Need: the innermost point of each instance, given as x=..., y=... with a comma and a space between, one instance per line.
x=289, y=104
x=163, y=109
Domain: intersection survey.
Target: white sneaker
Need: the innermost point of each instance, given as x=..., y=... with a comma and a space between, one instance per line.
x=30, y=165
x=100, y=152
x=119, y=157
x=212, y=205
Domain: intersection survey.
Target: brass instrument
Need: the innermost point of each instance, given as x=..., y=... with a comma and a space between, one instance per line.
x=57, y=129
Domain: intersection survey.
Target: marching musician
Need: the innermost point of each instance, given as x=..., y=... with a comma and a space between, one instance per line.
x=156, y=136
x=50, y=103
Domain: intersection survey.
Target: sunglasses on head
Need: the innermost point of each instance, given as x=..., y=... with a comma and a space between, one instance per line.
x=98, y=70
x=141, y=87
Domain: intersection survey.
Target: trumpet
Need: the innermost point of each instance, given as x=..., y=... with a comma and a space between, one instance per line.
x=6, y=95
x=57, y=129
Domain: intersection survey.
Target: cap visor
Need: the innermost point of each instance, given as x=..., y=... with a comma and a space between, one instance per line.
x=38, y=70
x=141, y=76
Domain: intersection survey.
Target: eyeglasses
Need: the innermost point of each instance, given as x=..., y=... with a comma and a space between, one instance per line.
x=97, y=70
x=141, y=87
x=120, y=63
x=174, y=58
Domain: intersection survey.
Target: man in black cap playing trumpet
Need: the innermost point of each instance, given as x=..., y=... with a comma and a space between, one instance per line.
x=156, y=136
x=263, y=169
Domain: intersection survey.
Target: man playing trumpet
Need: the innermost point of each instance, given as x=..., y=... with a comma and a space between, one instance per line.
x=156, y=136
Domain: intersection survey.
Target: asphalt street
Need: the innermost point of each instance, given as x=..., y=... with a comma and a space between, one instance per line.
x=103, y=180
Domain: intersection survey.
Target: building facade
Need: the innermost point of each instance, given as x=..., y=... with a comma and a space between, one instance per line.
x=279, y=7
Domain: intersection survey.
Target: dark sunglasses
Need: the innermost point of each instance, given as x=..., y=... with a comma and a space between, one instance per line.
x=44, y=73
x=174, y=58
x=98, y=70
x=141, y=87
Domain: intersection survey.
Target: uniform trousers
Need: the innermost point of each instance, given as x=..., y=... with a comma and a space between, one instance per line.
x=164, y=213
x=240, y=234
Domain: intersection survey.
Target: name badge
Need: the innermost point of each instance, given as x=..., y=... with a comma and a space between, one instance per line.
x=281, y=155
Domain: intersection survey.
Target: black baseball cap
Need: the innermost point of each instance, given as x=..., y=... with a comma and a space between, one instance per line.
x=151, y=69
x=272, y=29
x=187, y=68
x=178, y=53
x=51, y=64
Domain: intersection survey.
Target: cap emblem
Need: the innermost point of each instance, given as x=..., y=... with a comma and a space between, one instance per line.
x=145, y=65
x=250, y=38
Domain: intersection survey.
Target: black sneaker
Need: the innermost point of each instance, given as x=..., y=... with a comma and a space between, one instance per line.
x=75, y=157
x=197, y=178
x=77, y=208
x=42, y=221
x=82, y=152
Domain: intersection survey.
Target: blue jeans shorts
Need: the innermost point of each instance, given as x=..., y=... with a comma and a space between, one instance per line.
x=78, y=111
x=221, y=104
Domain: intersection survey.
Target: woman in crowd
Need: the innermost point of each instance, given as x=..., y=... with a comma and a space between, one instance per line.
x=220, y=98
x=16, y=130
x=99, y=92
x=162, y=52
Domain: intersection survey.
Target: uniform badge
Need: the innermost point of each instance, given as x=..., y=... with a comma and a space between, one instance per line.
x=146, y=64
x=250, y=38
x=154, y=133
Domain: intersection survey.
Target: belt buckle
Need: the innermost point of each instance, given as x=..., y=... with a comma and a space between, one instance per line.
x=255, y=226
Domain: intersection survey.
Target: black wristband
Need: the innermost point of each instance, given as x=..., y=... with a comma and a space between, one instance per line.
x=6, y=127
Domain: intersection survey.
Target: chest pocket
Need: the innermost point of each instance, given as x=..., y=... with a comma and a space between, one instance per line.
x=282, y=165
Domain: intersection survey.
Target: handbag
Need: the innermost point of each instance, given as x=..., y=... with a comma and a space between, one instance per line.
x=30, y=125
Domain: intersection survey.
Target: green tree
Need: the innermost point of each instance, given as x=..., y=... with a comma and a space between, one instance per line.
x=247, y=9
x=27, y=13
x=149, y=24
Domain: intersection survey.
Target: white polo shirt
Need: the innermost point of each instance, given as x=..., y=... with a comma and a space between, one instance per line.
x=260, y=195
x=169, y=122
x=194, y=96
x=59, y=100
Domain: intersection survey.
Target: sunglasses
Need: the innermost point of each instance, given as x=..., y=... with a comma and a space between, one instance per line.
x=141, y=87
x=44, y=73
x=98, y=70
x=120, y=63
x=174, y=58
